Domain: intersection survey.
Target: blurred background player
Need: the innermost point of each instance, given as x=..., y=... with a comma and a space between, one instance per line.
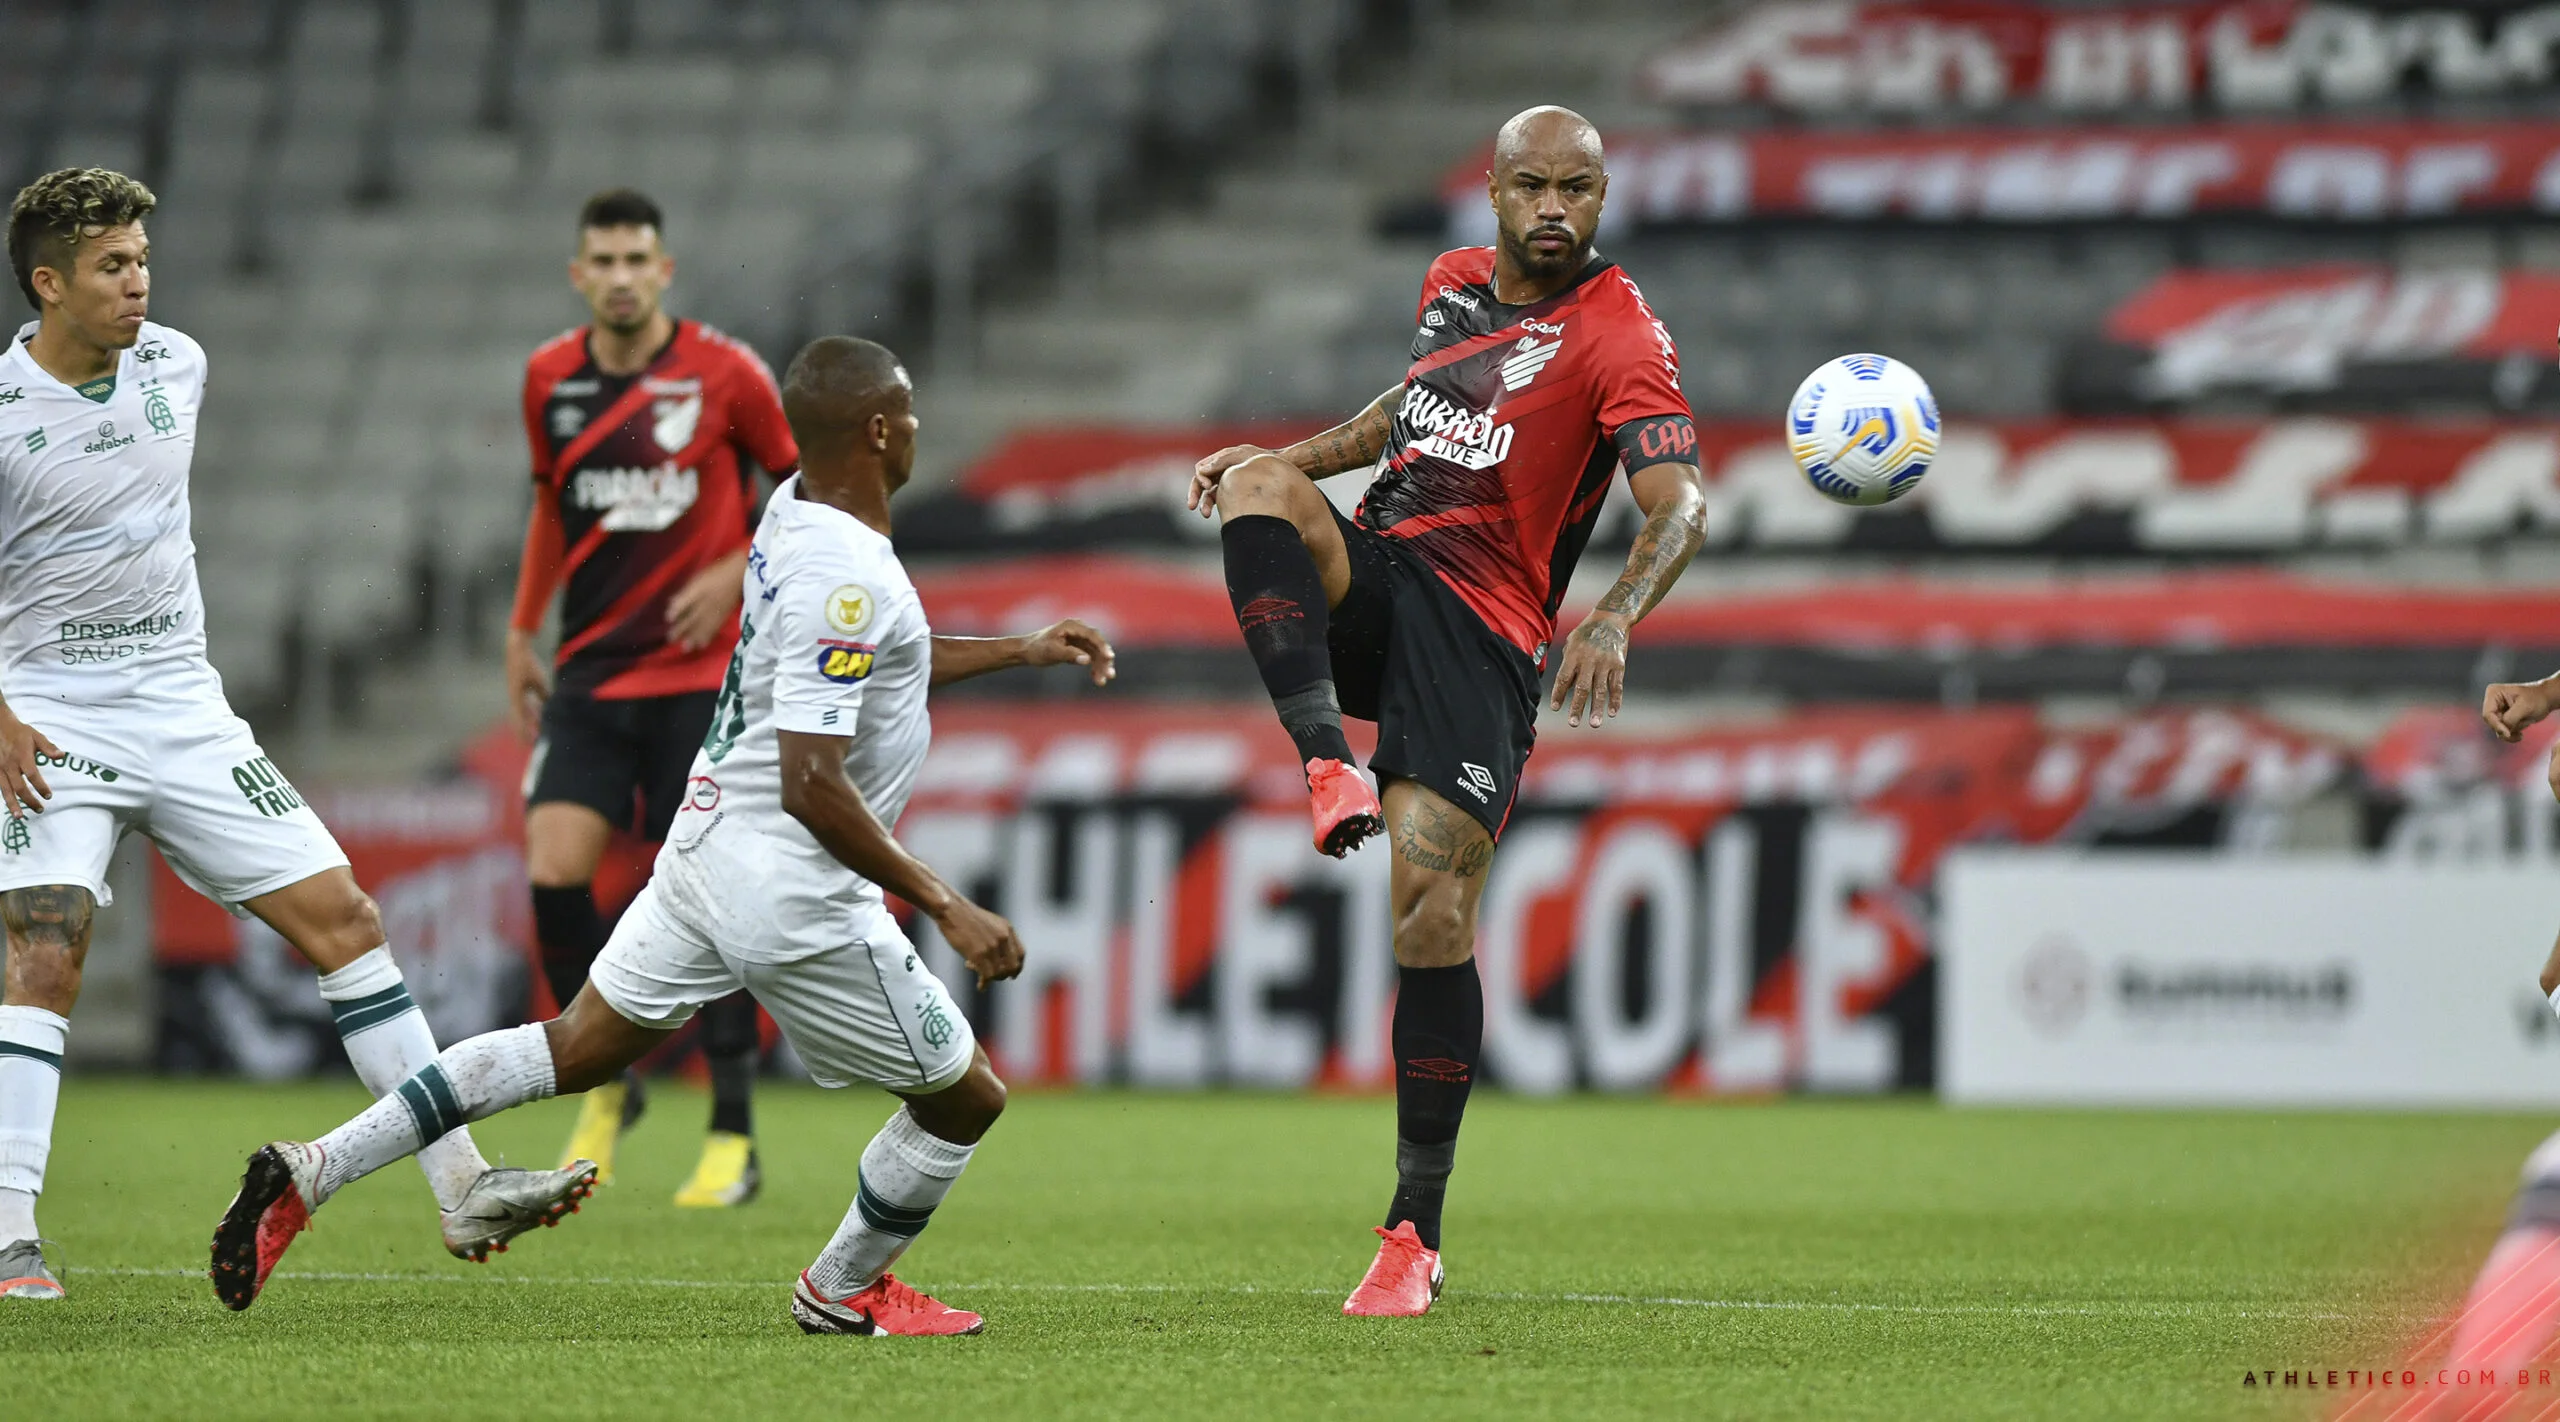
x=102, y=656
x=645, y=433
x=1430, y=613
x=820, y=733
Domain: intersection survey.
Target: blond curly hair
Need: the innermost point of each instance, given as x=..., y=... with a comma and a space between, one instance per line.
x=52, y=214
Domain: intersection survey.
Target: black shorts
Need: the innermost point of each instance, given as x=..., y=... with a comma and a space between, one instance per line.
x=625, y=759
x=1456, y=705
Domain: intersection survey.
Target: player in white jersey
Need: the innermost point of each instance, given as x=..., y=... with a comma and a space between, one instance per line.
x=770, y=880
x=113, y=720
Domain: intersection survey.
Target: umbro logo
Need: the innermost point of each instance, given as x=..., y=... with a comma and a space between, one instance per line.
x=1479, y=782
x=1438, y=1069
x=1528, y=358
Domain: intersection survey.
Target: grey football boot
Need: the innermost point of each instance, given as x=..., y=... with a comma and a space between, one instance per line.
x=504, y=1203
x=23, y=1274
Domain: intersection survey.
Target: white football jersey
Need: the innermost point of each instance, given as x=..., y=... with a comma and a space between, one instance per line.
x=832, y=641
x=98, y=593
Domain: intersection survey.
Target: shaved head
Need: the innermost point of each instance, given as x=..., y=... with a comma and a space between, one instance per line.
x=1547, y=186
x=1547, y=132
x=848, y=398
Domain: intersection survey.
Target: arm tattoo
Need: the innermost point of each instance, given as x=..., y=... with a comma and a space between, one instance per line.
x=1669, y=539
x=52, y=916
x=1433, y=838
x=1356, y=443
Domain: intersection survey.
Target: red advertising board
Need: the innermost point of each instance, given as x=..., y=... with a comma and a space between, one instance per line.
x=1157, y=605
x=1736, y=908
x=1915, y=56
x=2360, y=332
x=2326, y=171
x=2168, y=485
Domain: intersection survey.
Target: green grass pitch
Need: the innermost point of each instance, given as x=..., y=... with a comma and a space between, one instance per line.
x=1186, y=1256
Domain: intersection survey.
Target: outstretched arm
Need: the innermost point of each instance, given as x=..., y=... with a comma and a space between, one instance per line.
x=960, y=658
x=2511, y=708
x=1593, y=674
x=1356, y=443
x=817, y=793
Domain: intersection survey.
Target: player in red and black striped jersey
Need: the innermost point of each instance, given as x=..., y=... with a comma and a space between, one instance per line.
x=646, y=432
x=1537, y=371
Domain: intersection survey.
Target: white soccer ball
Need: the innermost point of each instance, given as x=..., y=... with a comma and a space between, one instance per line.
x=1863, y=428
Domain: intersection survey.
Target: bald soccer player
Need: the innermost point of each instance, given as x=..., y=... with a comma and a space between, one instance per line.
x=771, y=881
x=1537, y=371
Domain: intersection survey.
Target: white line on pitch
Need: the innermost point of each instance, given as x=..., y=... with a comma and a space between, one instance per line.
x=2094, y=1310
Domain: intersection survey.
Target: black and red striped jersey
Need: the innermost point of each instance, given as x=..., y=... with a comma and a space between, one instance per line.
x=650, y=478
x=1511, y=421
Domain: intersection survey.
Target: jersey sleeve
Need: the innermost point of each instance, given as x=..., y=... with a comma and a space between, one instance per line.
x=537, y=440
x=833, y=616
x=1433, y=278
x=755, y=414
x=1641, y=407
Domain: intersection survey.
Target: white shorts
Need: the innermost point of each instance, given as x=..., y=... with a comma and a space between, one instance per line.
x=184, y=771
x=862, y=1009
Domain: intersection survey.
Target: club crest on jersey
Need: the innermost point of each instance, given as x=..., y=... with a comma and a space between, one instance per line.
x=849, y=608
x=156, y=410
x=566, y=421
x=672, y=422
x=1528, y=358
x=845, y=662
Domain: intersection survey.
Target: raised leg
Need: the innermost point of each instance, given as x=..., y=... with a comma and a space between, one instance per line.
x=336, y=926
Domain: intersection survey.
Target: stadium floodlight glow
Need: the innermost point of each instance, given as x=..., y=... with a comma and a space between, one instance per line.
x=1863, y=428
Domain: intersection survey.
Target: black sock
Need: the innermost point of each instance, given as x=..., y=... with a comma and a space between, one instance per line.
x=1279, y=603
x=1439, y=1035
x=571, y=934
x=729, y=1045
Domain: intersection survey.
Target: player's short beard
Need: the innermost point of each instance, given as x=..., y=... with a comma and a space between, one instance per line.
x=1533, y=263
x=631, y=327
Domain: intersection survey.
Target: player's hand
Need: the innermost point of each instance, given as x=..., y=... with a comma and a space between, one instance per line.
x=984, y=941
x=2510, y=708
x=700, y=609
x=1071, y=641
x=1592, y=677
x=2551, y=971
x=23, y=790
x=1206, y=474
x=528, y=686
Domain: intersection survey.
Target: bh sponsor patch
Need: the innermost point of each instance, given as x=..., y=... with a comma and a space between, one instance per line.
x=845, y=661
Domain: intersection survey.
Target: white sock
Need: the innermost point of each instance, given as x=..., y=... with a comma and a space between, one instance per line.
x=470, y=1081
x=906, y=1170
x=388, y=1040
x=30, y=1084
